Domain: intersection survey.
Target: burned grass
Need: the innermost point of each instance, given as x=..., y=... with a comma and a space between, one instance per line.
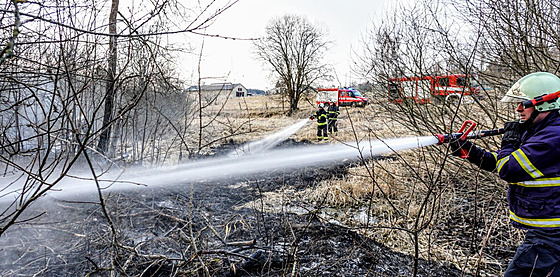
x=217, y=229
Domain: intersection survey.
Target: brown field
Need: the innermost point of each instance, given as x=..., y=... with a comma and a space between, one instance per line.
x=370, y=192
x=385, y=216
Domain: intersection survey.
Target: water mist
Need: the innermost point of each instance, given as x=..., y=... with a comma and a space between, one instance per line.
x=252, y=158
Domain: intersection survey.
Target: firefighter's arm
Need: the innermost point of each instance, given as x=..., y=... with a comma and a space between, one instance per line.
x=483, y=159
x=476, y=155
x=534, y=159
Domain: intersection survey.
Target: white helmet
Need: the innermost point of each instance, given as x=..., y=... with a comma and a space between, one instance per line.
x=532, y=86
x=321, y=105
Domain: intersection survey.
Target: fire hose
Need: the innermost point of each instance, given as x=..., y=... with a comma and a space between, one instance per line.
x=464, y=133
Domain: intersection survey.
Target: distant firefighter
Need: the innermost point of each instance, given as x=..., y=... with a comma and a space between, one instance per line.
x=321, y=116
x=333, y=113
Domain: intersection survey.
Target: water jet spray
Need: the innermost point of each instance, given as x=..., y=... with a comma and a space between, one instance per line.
x=268, y=142
x=239, y=165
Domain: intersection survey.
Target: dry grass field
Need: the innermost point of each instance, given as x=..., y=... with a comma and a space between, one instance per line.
x=459, y=212
x=413, y=212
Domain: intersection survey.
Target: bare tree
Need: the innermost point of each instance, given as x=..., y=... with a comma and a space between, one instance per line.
x=55, y=83
x=518, y=38
x=111, y=78
x=294, y=49
x=422, y=40
x=496, y=44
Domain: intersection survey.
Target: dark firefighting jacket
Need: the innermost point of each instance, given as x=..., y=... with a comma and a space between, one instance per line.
x=533, y=173
x=334, y=111
x=321, y=116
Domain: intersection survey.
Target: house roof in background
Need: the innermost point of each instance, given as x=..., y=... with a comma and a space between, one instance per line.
x=214, y=86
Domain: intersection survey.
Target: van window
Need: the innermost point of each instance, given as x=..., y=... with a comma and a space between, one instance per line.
x=393, y=86
x=394, y=91
x=443, y=82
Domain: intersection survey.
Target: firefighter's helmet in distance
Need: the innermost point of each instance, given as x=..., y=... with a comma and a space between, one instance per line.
x=321, y=105
x=532, y=86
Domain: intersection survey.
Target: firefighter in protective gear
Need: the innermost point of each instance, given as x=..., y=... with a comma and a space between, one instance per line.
x=527, y=161
x=321, y=116
x=333, y=112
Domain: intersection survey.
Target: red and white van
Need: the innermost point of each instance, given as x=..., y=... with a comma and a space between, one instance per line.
x=342, y=96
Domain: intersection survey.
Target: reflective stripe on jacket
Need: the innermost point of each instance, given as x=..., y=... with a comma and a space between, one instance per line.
x=321, y=116
x=533, y=173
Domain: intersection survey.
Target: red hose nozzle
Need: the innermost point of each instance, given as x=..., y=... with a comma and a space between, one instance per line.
x=442, y=138
x=465, y=133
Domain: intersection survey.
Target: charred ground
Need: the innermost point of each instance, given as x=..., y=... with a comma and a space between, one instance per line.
x=215, y=228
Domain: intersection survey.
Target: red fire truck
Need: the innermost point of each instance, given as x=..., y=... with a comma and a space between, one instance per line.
x=426, y=89
x=342, y=96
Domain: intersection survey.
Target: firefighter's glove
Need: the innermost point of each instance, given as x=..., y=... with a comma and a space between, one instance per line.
x=456, y=145
x=512, y=134
x=311, y=117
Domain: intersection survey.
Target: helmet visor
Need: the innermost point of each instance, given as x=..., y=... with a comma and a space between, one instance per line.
x=514, y=95
x=513, y=98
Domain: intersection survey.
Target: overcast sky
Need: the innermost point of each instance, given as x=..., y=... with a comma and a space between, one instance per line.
x=233, y=60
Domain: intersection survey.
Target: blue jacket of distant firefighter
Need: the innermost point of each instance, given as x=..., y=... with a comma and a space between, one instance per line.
x=533, y=174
